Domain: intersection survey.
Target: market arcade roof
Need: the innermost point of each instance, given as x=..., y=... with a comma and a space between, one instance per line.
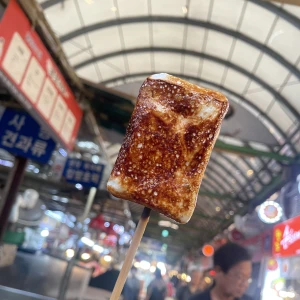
x=248, y=49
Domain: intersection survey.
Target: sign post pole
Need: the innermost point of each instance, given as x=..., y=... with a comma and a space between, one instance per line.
x=66, y=278
x=10, y=192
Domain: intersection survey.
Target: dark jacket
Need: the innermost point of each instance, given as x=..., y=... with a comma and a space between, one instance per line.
x=206, y=296
x=184, y=293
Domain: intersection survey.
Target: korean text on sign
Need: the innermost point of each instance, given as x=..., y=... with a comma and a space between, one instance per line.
x=21, y=135
x=86, y=173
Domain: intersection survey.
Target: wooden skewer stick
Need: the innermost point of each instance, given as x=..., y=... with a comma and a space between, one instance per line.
x=130, y=254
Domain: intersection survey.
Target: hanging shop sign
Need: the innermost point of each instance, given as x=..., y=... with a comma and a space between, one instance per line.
x=83, y=172
x=270, y=212
x=30, y=74
x=21, y=135
x=286, y=238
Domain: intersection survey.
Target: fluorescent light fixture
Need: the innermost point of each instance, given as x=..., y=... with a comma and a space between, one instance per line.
x=98, y=248
x=85, y=256
x=45, y=233
x=87, y=241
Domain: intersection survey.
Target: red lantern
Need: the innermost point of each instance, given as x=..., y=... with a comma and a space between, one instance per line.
x=208, y=250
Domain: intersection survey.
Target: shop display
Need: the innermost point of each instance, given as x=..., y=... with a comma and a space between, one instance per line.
x=167, y=146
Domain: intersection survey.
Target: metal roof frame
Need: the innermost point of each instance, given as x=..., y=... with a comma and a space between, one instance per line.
x=185, y=21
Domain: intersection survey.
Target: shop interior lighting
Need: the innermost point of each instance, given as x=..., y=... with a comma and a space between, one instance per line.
x=95, y=159
x=62, y=152
x=6, y=163
x=118, y=229
x=188, y=278
x=218, y=208
x=250, y=172
x=207, y=280
x=87, y=241
x=286, y=295
x=107, y=258
x=98, y=248
x=78, y=186
x=152, y=269
x=70, y=253
x=136, y=264
x=85, y=256
x=106, y=224
x=45, y=233
x=87, y=221
x=169, y=224
x=145, y=265
x=162, y=267
x=55, y=215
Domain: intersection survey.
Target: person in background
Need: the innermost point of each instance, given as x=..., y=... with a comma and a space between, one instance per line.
x=170, y=289
x=185, y=292
x=132, y=287
x=232, y=264
x=157, y=289
x=107, y=280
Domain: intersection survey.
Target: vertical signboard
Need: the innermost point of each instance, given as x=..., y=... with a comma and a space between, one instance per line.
x=30, y=74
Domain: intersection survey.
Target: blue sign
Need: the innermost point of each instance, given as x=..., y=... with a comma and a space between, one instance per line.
x=86, y=173
x=21, y=135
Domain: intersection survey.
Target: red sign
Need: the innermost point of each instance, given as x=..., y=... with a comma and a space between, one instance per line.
x=30, y=74
x=286, y=239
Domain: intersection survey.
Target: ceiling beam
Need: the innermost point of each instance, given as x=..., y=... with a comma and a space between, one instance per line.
x=248, y=151
x=292, y=2
x=279, y=11
x=240, y=98
x=217, y=196
x=279, y=97
x=288, y=17
x=275, y=185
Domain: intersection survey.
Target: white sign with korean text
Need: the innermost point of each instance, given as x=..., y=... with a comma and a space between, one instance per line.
x=16, y=58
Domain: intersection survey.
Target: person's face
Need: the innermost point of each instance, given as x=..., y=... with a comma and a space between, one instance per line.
x=196, y=277
x=235, y=282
